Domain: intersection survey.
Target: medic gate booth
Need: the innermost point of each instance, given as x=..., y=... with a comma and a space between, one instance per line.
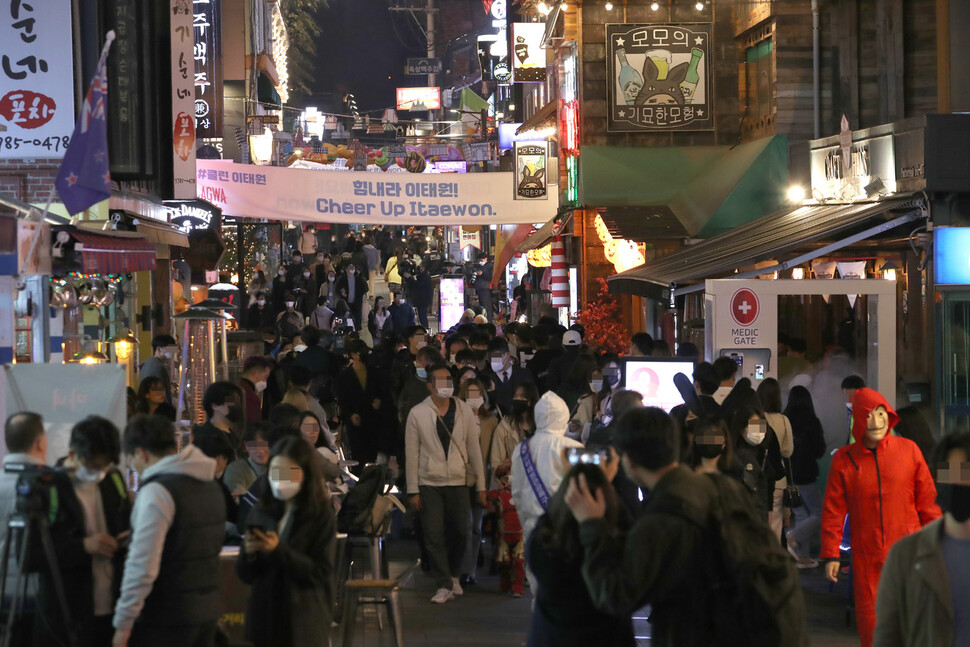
x=742, y=316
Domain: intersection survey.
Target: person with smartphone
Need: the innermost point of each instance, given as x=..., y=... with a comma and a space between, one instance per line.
x=287, y=553
x=90, y=535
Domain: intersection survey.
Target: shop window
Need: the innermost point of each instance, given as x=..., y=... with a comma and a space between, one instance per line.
x=759, y=76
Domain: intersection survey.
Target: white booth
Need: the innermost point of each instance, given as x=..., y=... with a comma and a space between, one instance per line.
x=742, y=323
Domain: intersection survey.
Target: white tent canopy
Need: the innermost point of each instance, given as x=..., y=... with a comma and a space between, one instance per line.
x=280, y=193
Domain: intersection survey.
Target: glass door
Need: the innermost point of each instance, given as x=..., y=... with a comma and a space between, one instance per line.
x=955, y=366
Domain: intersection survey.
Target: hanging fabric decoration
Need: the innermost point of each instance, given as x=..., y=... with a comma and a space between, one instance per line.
x=560, y=279
x=852, y=270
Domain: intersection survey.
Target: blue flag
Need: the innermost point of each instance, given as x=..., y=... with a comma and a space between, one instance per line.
x=84, y=178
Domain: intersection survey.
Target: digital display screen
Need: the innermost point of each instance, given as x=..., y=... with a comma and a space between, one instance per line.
x=653, y=379
x=507, y=136
x=951, y=247
x=452, y=292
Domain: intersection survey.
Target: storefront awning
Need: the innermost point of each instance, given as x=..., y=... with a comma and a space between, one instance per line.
x=162, y=233
x=824, y=228
x=544, y=234
x=115, y=253
x=545, y=117
x=678, y=191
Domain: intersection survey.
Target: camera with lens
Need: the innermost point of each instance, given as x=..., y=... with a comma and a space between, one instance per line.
x=33, y=487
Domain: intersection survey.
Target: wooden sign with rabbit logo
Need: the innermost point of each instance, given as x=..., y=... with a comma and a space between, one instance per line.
x=659, y=77
x=530, y=171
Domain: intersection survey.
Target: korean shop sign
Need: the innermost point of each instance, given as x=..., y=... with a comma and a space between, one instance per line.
x=659, y=77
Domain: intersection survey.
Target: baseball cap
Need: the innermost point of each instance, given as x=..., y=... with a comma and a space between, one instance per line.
x=571, y=338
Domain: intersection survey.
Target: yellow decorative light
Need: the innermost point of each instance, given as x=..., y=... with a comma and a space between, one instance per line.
x=124, y=345
x=541, y=257
x=624, y=254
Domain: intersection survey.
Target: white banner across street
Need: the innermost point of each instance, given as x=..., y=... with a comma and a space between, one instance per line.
x=280, y=193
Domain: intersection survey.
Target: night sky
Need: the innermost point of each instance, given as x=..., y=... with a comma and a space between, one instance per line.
x=359, y=50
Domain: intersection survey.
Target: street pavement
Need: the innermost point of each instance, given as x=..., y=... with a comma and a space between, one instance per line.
x=484, y=617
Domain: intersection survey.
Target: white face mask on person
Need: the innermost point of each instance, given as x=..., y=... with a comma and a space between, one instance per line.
x=299, y=348
x=475, y=403
x=290, y=304
x=260, y=386
x=596, y=386
x=497, y=364
x=446, y=391
x=284, y=490
x=754, y=433
x=85, y=474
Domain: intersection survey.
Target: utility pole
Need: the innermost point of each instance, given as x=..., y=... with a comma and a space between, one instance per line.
x=428, y=28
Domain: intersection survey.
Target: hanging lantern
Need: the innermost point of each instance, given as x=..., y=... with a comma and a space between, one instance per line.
x=560, y=278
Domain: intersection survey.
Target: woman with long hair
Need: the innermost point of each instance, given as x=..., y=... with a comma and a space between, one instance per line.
x=564, y=613
x=756, y=449
x=809, y=440
x=769, y=393
x=150, y=399
x=511, y=431
x=711, y=450
x=474, y=394
x=286, y=554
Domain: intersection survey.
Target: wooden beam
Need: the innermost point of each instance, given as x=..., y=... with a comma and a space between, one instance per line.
x=847, y=17
x=889, y=59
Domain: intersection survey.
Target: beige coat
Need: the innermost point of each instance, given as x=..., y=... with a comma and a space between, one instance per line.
x=426, y=462
x=913, y=607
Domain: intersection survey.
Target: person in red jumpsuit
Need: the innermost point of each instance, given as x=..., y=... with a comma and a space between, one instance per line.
x=883, y=484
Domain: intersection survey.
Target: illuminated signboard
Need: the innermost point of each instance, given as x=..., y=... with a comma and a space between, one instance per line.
x=418, y=98
x=528, y=55
x=451, y=167
x=507, y=136
x=452, y=307
x=951, y=247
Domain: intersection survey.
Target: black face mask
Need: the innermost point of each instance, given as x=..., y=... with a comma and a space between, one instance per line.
x=234, y=414
x=954, y=499
x=612, y=380
x=708, y=450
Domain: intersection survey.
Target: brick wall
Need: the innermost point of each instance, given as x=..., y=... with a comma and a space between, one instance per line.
x=28, y=180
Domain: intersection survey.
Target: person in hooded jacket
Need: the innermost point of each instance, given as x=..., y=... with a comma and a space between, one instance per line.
x=882, y=482
x=756, y=452
x=541, y=456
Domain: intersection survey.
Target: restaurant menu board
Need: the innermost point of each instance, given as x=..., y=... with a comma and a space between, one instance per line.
x=452, y=291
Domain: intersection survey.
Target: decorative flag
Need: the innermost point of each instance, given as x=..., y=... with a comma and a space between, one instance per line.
x=560, y=279
x=507, y=238
x=471, y=111
x=84, y=178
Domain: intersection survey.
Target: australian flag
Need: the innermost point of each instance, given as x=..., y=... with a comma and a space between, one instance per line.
x=84, y=178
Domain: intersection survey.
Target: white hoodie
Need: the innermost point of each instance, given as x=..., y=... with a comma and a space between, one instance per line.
x=151, y=518
x=552, y=419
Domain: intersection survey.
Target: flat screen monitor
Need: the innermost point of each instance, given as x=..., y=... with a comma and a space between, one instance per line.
x=452, y=307
x=653, y=379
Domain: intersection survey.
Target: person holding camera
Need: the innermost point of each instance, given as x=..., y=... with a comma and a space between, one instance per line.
x=287, y=553
x=89, y=535
x=170, y=590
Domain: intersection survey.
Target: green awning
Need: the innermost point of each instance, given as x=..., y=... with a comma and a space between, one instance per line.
x=708, y=189
x=265, y=92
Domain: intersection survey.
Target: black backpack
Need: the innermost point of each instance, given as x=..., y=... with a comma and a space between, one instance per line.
x=356, y=516
x=755, y=596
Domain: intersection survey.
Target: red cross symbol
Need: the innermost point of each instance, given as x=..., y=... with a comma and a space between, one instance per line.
x=745, y=307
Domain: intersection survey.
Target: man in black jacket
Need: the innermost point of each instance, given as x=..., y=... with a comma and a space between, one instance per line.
x=661, y=560
x=504, y=373
x=89, y=535
x=483, y=287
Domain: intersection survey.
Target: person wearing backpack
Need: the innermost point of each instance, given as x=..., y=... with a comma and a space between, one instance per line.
x=757, y=453
x=700, y=554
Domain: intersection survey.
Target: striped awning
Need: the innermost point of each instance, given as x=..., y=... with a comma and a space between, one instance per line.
x=104, y=253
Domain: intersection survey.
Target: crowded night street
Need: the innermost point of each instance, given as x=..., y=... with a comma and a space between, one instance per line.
x=453, y=323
